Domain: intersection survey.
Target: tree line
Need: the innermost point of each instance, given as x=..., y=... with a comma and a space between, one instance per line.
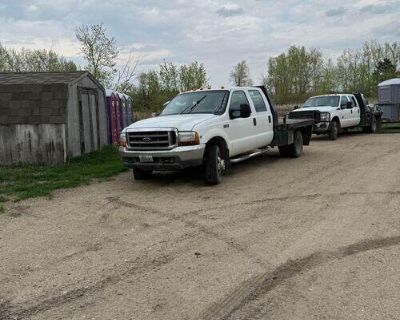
x=299, y=73
x=291, y=77
x=26, y=60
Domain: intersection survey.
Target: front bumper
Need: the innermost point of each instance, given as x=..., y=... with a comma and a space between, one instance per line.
x=174, y=159
x=321, y=127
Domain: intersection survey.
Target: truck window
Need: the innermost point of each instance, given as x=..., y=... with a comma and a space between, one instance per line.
x=238, y=98
x=353, y=102
x=258, y=101
x=343, y=101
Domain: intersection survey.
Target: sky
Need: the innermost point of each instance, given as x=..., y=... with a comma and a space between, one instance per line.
x=218, y=33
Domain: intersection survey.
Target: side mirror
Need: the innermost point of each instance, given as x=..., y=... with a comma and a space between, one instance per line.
x=245, y=111
x=349, y=105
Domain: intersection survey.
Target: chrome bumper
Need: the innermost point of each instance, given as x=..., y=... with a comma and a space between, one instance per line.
x=174, y=159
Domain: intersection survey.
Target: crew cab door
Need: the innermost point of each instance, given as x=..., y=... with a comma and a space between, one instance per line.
x=344, y=112
x=354, y=112
x=241, y=131
x=263, y=116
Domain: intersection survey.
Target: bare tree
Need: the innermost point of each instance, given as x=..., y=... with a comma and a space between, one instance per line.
x=240, y=74
x=126, y=74
x=99, y=50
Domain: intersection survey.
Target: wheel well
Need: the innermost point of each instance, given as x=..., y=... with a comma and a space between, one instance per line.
x=220, y=142
x=336, y=119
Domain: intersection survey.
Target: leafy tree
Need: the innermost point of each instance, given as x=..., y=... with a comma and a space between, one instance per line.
x=240, y=75
x=193, y=76
x=26, y=60
x=384, y=70
x=99, y=50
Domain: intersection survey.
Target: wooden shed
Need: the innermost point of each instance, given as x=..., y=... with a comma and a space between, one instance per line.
x=49, y=117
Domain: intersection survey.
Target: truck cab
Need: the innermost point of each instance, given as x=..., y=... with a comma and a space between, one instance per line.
x=341, y=112
x=210, y=128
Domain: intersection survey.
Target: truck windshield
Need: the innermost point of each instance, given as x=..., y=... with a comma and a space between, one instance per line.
x=322, y=101
x=198, y=102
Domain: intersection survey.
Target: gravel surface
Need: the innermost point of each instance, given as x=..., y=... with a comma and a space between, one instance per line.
x=311, y=238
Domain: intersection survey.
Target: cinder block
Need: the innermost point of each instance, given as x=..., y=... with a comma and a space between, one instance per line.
x=5, y=96
x=4, y=111
x=17, y=120
x=36, y=88
x=4, y=103
x=22, y=96
x=35, y=119
x=47, y=96
x=57, y=119
x=24, y=111
x=45, y=111
x=35, y=111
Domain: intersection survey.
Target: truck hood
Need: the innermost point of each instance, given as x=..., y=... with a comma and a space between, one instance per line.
x=182, y=122
x=320, y=108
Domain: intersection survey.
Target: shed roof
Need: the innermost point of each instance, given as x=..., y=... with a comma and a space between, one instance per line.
x=389, y=82
x=43, y=77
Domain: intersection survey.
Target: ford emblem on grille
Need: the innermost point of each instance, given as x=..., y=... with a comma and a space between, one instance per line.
x=147, y=139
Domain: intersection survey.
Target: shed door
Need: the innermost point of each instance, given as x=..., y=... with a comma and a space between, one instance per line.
x=88, y=120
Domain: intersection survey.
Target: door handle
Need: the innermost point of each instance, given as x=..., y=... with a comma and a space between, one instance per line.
x=269, y=119
x=255, y=121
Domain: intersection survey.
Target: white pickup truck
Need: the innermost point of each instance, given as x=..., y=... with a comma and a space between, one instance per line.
x=212, y=128
x=340, y=112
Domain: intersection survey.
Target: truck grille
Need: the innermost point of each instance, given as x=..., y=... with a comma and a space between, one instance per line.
x=151, y=140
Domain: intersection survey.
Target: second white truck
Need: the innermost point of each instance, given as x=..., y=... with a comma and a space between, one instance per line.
x=212, y=128
x=340, y=112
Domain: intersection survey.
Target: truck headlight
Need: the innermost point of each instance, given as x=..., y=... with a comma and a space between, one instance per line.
x=122, y=140
x=188, y=138
x=325, y=116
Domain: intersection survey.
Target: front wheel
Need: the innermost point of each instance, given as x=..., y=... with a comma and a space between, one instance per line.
x=215, y=164
x=334, y=130
x=295, y=149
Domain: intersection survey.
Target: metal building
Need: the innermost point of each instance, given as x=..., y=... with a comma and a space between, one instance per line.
x=49, y=117
x=389, y=99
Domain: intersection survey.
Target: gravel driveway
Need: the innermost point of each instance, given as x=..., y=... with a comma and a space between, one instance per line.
x=311, y=238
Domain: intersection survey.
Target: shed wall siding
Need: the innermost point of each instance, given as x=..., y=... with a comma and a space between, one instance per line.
x=32, y=143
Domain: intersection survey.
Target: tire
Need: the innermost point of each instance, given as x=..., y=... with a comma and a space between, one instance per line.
x=373, y=127
x=295, y=149
x=334, y=130
x=141, y=174
x=215, y=164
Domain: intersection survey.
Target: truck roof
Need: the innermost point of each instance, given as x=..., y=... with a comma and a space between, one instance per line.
x=333, y=94
x=222, y=89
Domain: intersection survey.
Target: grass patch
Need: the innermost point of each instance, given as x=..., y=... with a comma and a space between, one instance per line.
x=28, y=181
x=390, y=128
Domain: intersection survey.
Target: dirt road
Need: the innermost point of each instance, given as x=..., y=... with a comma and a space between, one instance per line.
x=311, y=238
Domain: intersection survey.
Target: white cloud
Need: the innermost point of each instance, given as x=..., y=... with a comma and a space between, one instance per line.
x=219, y=33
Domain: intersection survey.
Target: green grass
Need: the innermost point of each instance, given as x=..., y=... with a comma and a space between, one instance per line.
x=390, y=128
x=28, y=181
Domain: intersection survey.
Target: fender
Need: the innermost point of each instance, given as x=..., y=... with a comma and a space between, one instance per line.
x=208, y=134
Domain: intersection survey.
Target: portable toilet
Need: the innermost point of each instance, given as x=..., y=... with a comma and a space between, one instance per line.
x=113, y=116
x=389, y=99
